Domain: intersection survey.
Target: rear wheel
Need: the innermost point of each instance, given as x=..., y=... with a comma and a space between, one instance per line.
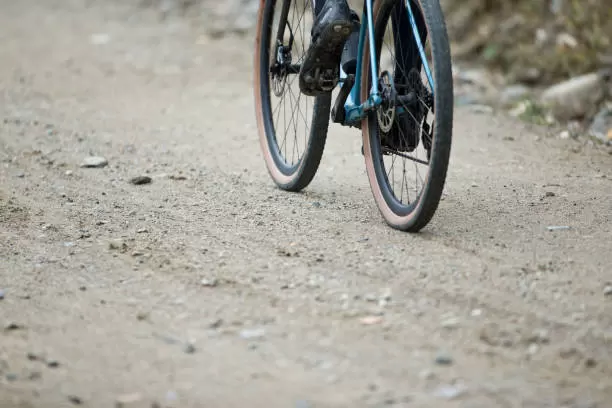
x=407, y=140
x=292, y=126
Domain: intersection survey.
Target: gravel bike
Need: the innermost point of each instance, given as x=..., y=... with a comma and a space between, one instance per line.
x=403, y=108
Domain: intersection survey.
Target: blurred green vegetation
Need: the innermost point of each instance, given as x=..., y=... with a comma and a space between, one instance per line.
x=532, y=41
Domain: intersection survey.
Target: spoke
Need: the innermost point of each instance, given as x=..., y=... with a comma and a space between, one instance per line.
x=404, y=155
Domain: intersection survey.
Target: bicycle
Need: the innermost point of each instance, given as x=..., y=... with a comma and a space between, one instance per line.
x=375, y=107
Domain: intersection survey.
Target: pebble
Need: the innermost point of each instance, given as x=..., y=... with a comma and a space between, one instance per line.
x=557, y=227
x=10, y=326
x=476, y=312
x=117, y=244
x=94, y=162
x=607, y=290
x=129, y=401
x=189, y=348
x=141, y=316
x=450, y=323
x=513, y=94
x=53, y=363
x=209, y=283
x=601, y=128
x=11, y=377
x=571, y=99
x=371, y=320
x=75, y=400
x=426, y=374
x=443, y=359
x=139, y=180
x=449, y=391
x=249, y=334
x=2, y=294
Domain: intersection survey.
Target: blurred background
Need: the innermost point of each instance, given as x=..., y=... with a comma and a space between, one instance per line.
x=547, y=62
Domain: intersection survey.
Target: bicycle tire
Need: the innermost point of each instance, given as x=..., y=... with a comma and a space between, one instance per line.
x=416, y=215
x=291, y=177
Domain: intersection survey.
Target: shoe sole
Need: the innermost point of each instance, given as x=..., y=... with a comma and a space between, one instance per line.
x=321, y=68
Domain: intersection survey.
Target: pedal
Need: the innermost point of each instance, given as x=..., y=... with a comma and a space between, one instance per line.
x=338, y=113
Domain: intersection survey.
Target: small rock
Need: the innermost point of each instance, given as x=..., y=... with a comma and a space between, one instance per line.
x=139, y=180
x=68, y=173
x=129, y=401
x=571, y=99
x=444, y=359
x=601, y=127
x=20, y=175
x=533, y=349
x=117, y=244
x=94, y=162
x=75, y=400
x=32, y=356
x=11, y=326
x=35, y=375
x=11, y=377
x=52, y=363
x=557, y=228
x=303, y=404
x=449, y=391
x=513, y=94
x=539, y=337
x=481, y=109
x=450, y=323
x=476, y=312
x=371, y=320
x=141, y=316
x=550, y=194
x=250, y=334
x=426, y=374
x=141, y=230
x=565, y=40
x=215, y=324
x=189, y=348
x=209, y=283
x=2, y=294
x=386, y=295
x=607, y=290
x=171, y=396
x=99, y=39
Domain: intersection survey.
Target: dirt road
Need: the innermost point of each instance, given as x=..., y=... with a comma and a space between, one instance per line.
x=211, y=288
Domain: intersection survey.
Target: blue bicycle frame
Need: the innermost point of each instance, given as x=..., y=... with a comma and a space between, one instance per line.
x=355, y=110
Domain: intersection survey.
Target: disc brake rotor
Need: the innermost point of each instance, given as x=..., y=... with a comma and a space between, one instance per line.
x=386, y=111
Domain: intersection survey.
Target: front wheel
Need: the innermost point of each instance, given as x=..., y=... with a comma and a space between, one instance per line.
x=407, y=140
x=292, y=126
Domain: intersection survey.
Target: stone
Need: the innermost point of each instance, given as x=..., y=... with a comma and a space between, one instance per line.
x=443, y=359
x=133, y=400
x=574, y=98
x=601, y=127
x=140, y=180
x=94, y=162
x=250, y=334
x=512, y=94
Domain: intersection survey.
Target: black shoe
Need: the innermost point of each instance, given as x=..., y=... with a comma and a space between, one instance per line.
x=320, y=70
